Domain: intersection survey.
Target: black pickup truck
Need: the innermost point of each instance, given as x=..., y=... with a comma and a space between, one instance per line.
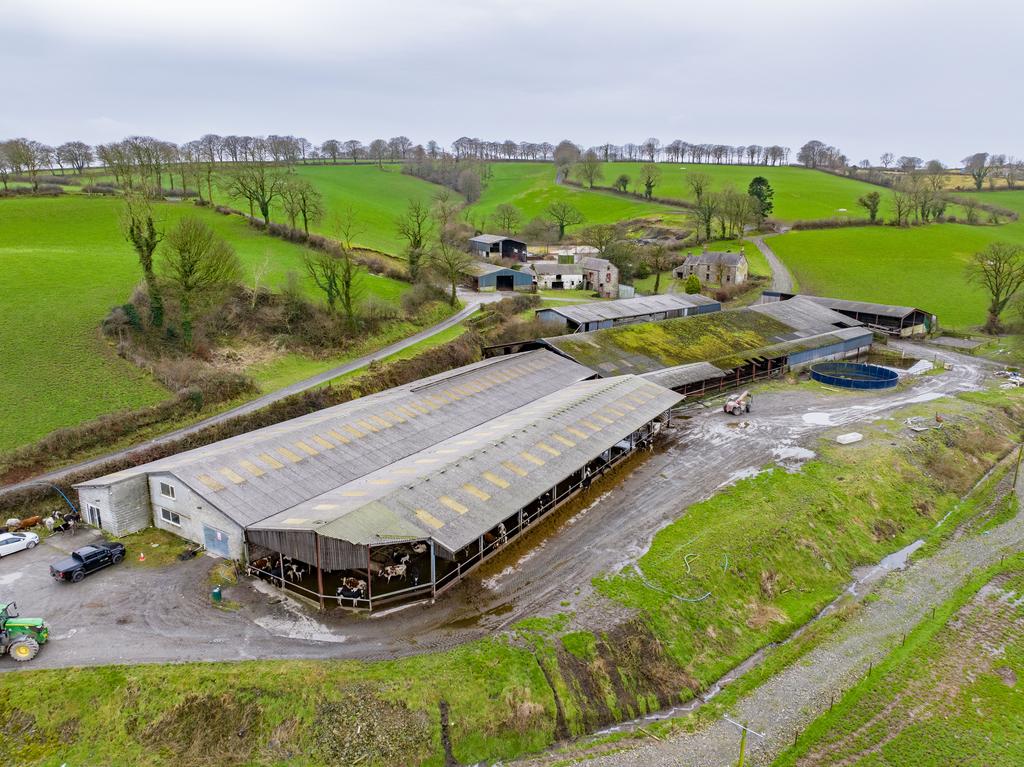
x=86, y=560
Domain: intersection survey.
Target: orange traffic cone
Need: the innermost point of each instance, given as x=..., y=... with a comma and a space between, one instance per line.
x=142, y=556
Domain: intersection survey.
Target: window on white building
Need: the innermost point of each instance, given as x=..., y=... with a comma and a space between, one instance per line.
x=170, y=517
x=166, y=490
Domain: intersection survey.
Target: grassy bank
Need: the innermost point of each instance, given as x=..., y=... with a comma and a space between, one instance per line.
x=767, y=565
x=949, y=695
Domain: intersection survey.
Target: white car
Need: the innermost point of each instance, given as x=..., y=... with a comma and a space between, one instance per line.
x=12, y=542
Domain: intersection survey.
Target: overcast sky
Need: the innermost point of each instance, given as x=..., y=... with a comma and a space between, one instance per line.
x=932, y=79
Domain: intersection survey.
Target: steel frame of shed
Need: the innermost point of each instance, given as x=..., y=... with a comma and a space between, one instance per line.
x=525, y=518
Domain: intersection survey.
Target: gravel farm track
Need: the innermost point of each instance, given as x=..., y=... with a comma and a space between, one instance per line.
x=148, y=617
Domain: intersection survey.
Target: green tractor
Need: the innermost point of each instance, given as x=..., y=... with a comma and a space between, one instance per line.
x=20, y=637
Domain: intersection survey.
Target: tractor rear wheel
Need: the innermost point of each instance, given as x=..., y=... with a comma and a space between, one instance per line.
x=23, y=649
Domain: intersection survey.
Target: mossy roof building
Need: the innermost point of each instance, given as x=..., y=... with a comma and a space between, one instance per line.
x=727, y=347
x=442, y=471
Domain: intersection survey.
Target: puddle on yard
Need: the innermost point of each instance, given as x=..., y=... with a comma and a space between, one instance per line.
x=737, y=424
x=818, y=419
x=471, y=621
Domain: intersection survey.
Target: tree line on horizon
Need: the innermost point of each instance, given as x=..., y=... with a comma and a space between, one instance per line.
x=22, y=157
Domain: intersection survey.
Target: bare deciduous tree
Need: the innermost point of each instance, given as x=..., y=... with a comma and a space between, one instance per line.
x=197, y=266
x=564, y=214
x=588, y=169
x=301, y=199
x=600, y=236
x=902, y=206
x=999, y=269
x=658, y=260
x=566, y=154
x=699, y=184
x=506, y=218
x=449, y=262
x=379, y=151
x=414, y=227
x=258, y=183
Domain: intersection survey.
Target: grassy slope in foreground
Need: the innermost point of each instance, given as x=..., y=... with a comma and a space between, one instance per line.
x=63, y=264
x=920, y=266
x=950, y=695
x=850, y=507
x=799, y=193
x=531, y=187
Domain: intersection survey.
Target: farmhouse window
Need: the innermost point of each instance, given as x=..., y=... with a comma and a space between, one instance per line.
x=170, y=517
x=167, y=490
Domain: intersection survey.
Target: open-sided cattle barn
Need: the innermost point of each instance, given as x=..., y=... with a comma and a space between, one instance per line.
x=441, y=471
x=885, y=318
x=438, y=513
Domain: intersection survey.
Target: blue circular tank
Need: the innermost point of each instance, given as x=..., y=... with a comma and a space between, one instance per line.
x=854, y=375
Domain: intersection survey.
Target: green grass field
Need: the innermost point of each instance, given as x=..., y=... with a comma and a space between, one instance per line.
x=63, y=265
x=377, y=195
x=920, y=266
x=531, y=187
x=799, y=193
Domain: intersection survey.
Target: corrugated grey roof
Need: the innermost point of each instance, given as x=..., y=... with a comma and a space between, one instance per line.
x=539, y=267
x=681, y=375
x=488, y=239
x=481, y=268
x=884, y=310
x=625, y=308
x=806, y=316
x=460, y=488
x=255, y=475
x=713, y=258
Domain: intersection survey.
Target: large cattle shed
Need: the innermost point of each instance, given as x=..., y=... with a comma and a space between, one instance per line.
x=742, y=345
x=213, y=493
x=439, y=512
x=886, y=318
x=606, y=314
